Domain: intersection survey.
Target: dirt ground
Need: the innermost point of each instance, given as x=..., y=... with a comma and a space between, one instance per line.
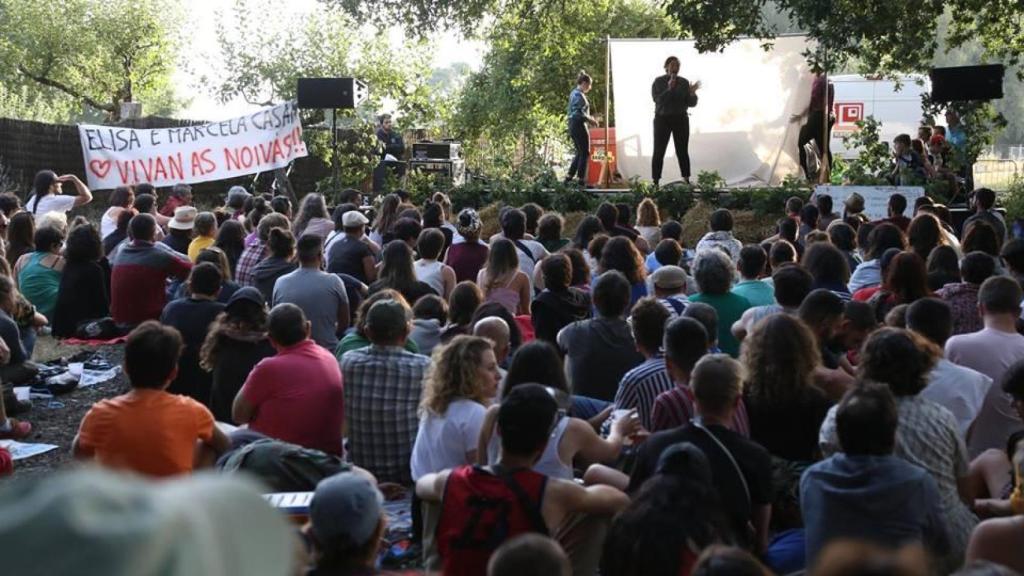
x=56, y=421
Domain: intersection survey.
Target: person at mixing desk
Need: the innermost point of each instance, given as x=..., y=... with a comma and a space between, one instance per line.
x=391, y=155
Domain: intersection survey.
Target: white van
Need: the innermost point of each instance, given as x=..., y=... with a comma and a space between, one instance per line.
x=858, y=97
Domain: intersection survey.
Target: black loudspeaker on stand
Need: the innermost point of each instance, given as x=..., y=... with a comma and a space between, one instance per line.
x=963, y=83
x=332, y=93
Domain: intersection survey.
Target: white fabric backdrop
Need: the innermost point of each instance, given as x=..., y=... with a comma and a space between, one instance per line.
x=740, y=126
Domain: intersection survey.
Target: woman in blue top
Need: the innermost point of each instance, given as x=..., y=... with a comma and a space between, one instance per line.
x=579, y=117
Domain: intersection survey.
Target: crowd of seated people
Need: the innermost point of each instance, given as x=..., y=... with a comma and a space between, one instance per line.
x=555, y=401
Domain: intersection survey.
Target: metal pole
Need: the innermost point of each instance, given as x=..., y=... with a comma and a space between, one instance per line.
x=334, y=145
x=606, y=165
x=824, y=175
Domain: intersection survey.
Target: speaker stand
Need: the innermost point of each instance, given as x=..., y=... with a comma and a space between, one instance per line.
x=335, y=174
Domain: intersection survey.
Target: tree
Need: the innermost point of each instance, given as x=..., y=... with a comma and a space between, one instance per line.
x=517, y=101
x=879, y=36
x=1010, y=108
x=87, y=53
x=263, y=59
x=423, y=17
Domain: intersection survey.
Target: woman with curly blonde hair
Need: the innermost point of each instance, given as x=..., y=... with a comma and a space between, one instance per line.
x=648, y=221
x=461, y=382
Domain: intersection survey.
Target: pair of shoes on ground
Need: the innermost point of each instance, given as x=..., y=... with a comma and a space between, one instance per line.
x=13, y=406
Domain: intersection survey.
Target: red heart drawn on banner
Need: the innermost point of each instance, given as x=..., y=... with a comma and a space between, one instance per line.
x=100, y=168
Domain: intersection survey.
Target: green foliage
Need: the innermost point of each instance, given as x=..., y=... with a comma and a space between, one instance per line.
x=873, y=157
x=673, y=199
x=571, y=199
x=939, y=190
x=420, y=186
x=356, y=156
x=264, y=67
x=1013, y=200
x=768, y=200
x=58, y=57
x=1011, y=106
x=837, y=175
x=517, y=102
x=984, y=120
x=420, y=17
x=996, y=25
x=887, y=38
x=709, y=183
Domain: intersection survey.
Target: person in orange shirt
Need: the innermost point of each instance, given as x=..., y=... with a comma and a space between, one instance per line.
x=149, y=430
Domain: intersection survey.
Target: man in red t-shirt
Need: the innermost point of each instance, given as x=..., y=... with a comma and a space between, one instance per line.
x=181, y=195
x=297, y=395
x=483, y=507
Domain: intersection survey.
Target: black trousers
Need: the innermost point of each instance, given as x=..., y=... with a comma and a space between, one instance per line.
x=812, y=131
x=581, y=142
x=678, y=129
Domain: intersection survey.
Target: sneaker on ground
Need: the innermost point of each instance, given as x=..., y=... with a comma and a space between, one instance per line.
x=19, y=430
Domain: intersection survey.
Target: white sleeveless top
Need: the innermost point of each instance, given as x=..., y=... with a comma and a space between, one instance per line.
x=108, y=224
x=430, y=274
x=550, y=464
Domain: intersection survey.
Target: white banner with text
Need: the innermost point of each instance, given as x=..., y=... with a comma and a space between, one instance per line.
x=264, y=140
x=876, y=198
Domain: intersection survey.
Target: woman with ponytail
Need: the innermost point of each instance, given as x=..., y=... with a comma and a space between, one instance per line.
x=579, y=118
x=281, y=261
x=48, y=196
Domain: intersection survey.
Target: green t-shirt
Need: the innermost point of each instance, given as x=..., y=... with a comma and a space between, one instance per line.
x=729, y=307
x=354, y=341
x=759, y=293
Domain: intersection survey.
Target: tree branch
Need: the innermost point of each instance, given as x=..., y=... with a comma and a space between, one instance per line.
x=264, y=104
x=66, y=89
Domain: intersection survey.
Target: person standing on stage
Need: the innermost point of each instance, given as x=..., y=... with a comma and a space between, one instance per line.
x=673, y=95
x=579, y=118
x=391, y=144
x=814, y=127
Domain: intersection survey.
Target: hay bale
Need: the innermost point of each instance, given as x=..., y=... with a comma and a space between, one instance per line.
x=748, y=227
x=490, y=225
x=695, y=223
x=572, y=222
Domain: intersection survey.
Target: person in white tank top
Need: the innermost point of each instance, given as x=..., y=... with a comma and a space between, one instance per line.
x=429, y=270
x=121, y=199
x=571, y=437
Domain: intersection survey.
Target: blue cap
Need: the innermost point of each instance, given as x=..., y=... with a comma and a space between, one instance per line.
x=345, y=507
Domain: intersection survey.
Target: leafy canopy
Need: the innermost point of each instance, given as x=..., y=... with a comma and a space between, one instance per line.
x=517, y=101
x=58, y=57
x=876, y=36
x=262, y=60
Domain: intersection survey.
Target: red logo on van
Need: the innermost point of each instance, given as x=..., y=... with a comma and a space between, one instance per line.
x=848, y=114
